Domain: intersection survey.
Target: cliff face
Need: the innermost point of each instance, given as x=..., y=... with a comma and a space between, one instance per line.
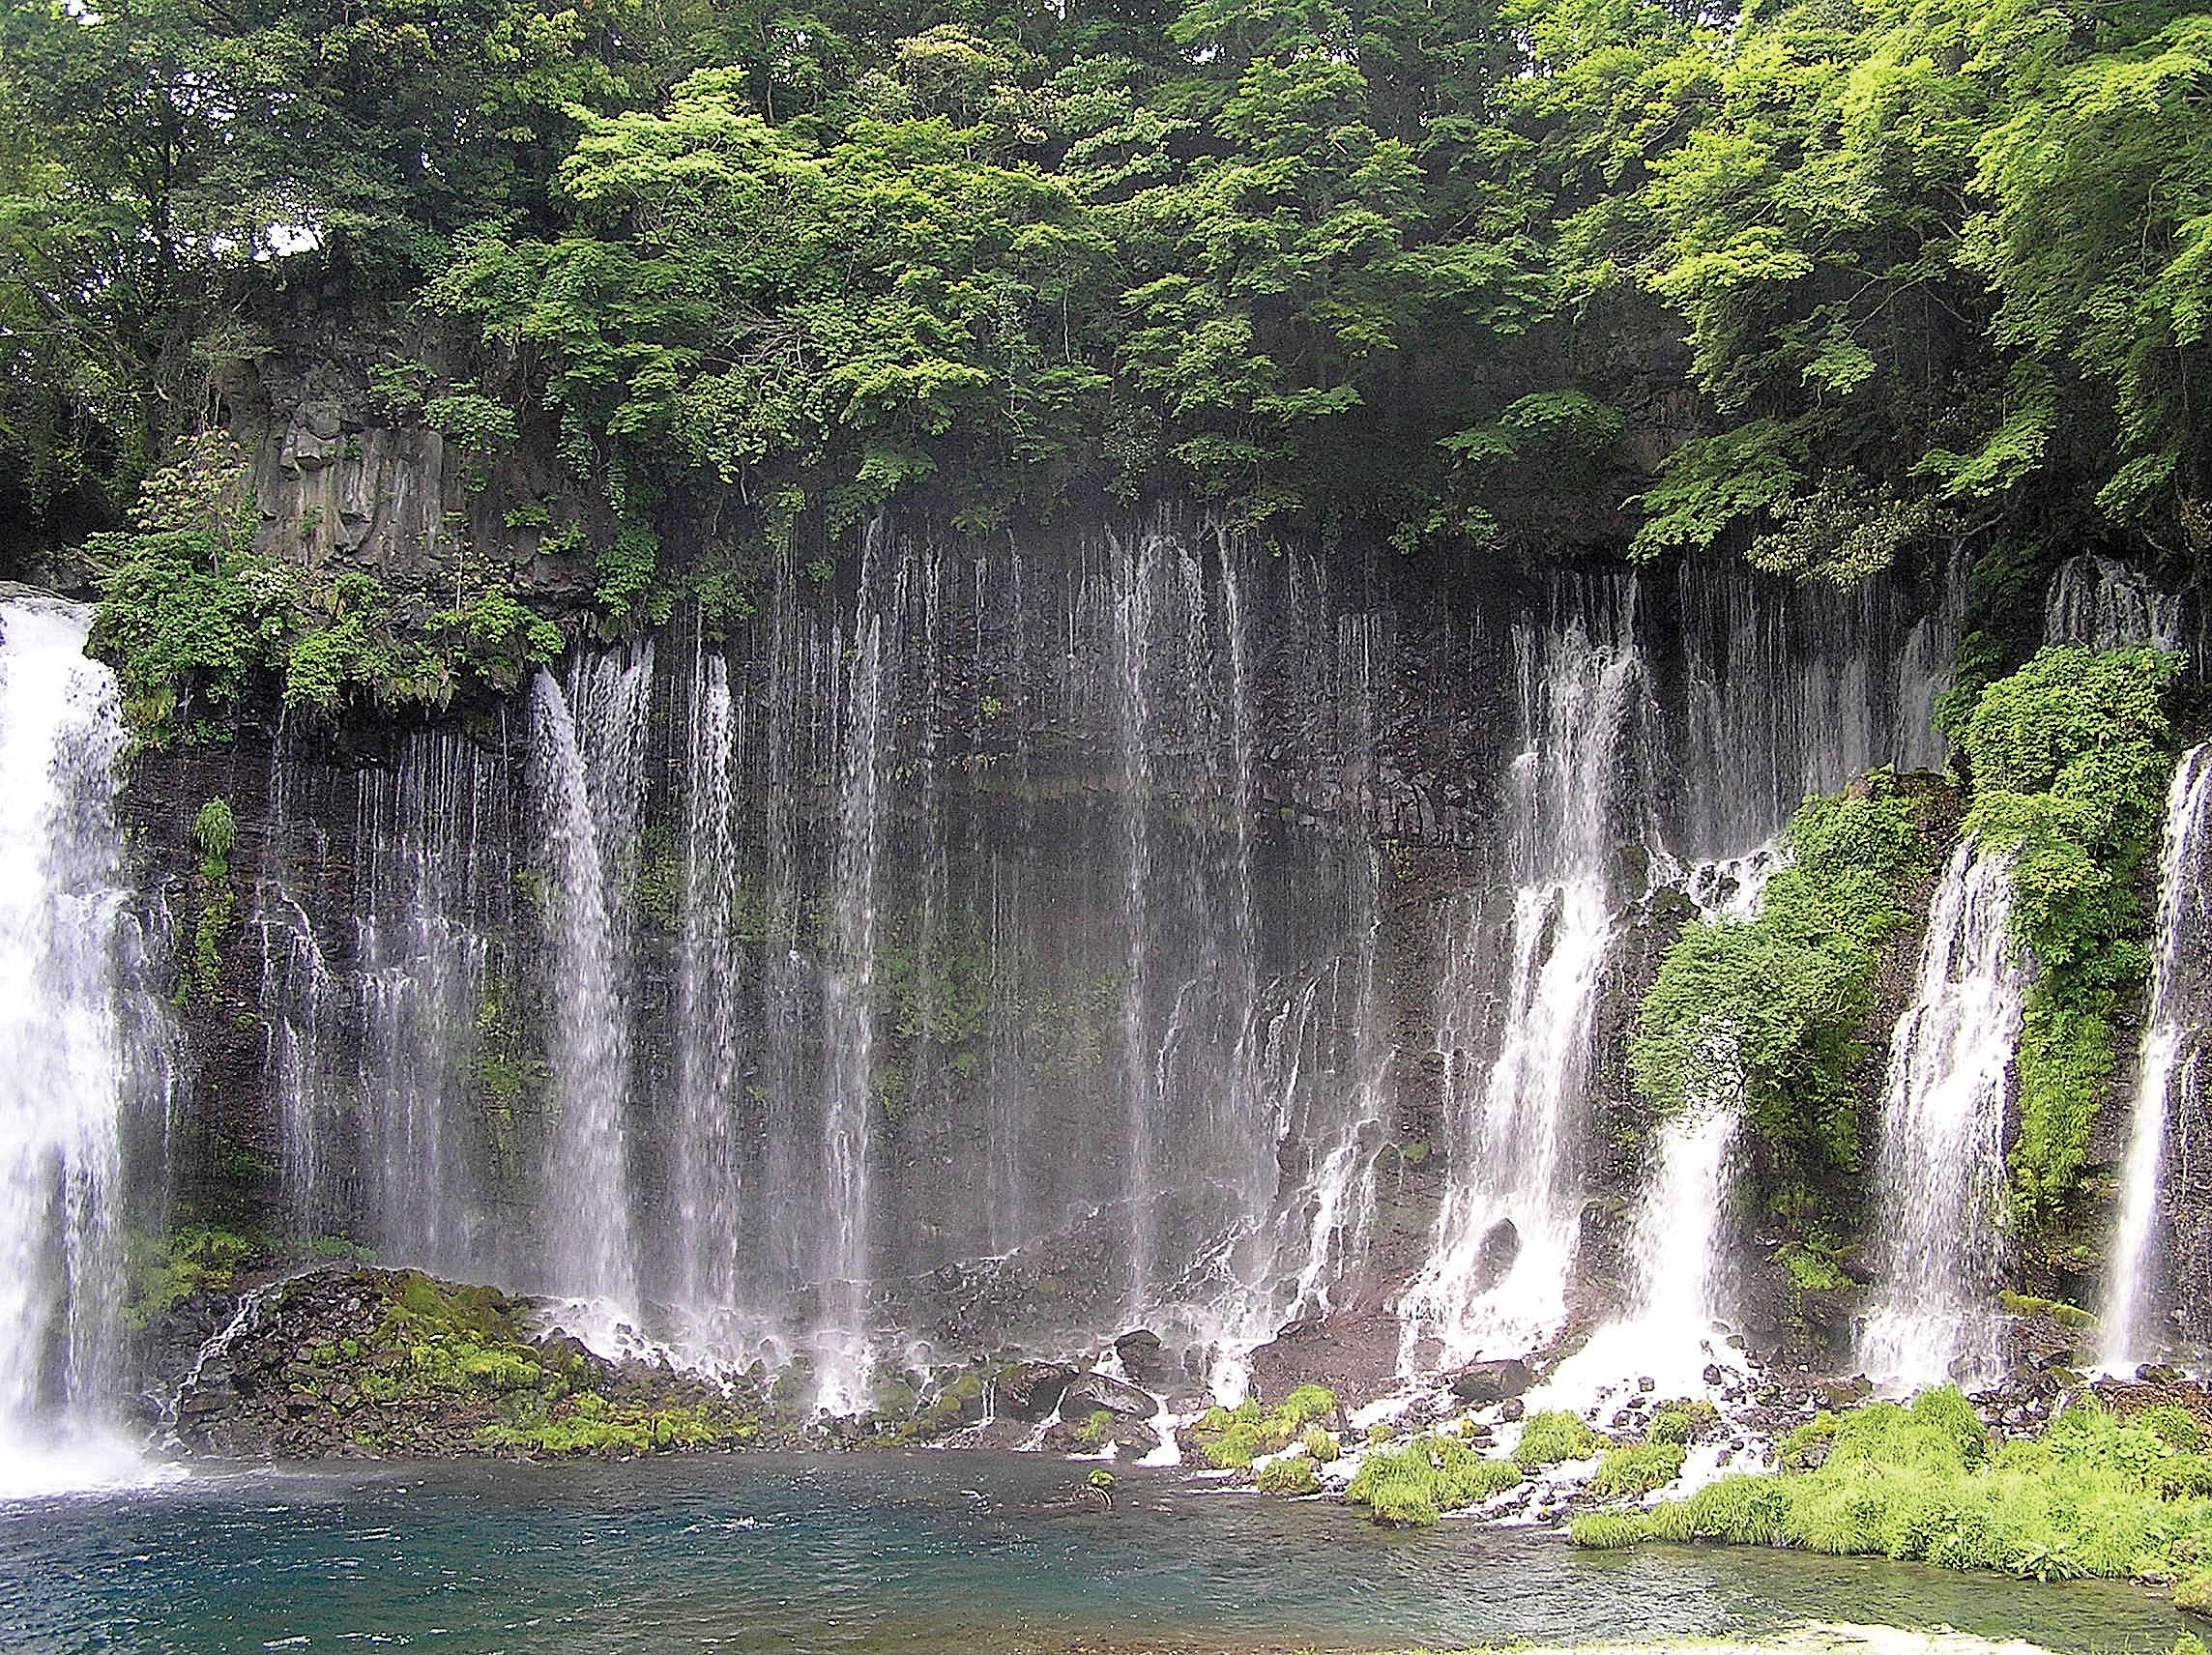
x=999, y=938
x=989, y=940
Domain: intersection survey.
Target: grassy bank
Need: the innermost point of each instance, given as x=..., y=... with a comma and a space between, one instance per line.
x=2094, y=1496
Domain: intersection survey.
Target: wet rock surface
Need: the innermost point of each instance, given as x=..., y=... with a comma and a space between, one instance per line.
x=371, y=1363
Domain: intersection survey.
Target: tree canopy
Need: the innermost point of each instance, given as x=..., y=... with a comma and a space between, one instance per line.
x=1816, y=282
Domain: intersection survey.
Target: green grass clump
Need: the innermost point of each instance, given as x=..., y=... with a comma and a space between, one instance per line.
x=1232, y=1437
x=1606, y=1530
x=2093, y=1496
x=1289, y=1474
x=1429, y=1475
x=2193, y=1594
x=1554, y=1435
x=1320, y=1445
x=1680, y=1421
x=1636, y=1469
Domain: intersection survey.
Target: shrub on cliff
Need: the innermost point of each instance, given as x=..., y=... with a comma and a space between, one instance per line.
x=1769, y=1013
x=2069, y=760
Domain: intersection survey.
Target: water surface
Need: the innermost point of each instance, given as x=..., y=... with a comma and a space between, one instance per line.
x=927, y=1554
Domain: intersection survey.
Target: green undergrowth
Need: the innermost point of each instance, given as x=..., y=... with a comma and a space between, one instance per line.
x=1772, y=1011
x=1637, y=1468
x=164, y=1271
x=1289, y=1474
x=2093, y=1496
x=1232, y=1437
x=2069, y=759
x=1411, y=1486
x=200, y=622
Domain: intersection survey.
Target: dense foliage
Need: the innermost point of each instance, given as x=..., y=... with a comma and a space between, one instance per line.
x=1769, y=1015
x=2069, y=758
x=2093, y=1496
x=1818, y=281
x=195, y=615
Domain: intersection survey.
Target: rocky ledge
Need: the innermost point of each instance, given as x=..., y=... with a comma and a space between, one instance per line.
x=373, y=1363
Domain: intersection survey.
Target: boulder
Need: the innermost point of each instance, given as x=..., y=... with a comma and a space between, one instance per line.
x=1092, y=1393
x=1031, y=1390
x=1141, y=1359
x=1480, y=1383
x=1500, y=1246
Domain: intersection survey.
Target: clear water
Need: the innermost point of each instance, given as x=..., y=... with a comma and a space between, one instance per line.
x=922, y=1552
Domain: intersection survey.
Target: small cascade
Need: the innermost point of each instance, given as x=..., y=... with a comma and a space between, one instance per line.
x=1942, y=1175
x=1677, y=1281
x=1497, y=1277
x=2101, y=603
x=297, y=1001
x=1677, y=1252
x=589, y=1246
x=62, y=1065
x=208, y=1369
x=2170, y=1062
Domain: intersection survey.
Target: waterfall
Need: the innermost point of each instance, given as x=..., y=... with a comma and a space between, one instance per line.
x=1496, y=1276
x=1677, y=1280
x=1942, y=1175
x=1787, y=691
x=588, y=1244
x=1675, y=1271
x=1133, y=712
x=849, y=1014
x=440, y=1077
x=297, y=1003
x=999, y=943
x=708, y=1175
x=2174, y=1028
x=64, y=1067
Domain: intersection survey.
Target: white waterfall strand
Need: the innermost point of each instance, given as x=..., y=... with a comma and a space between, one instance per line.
x=2173, y=1034
x=1497, y=1277
x=62, y=1063
x=1941, y=1178
x=2101, y=603
x=589, y=1249
x=707, y=1175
